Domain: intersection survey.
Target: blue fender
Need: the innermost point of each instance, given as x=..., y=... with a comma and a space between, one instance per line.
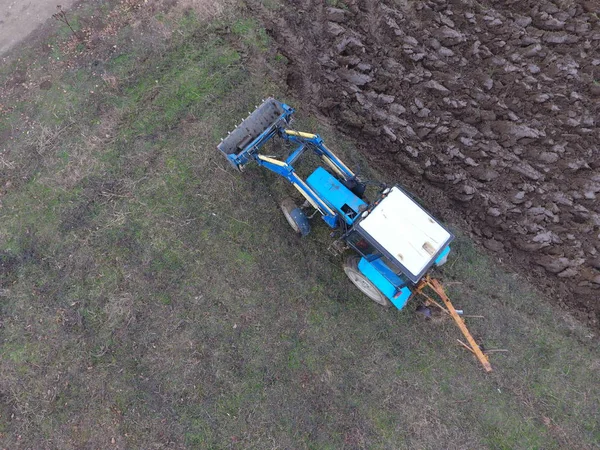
x=443, y=257
x=398, y=296
x=301, y=220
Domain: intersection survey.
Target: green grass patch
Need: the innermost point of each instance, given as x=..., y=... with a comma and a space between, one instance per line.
x=160, y=299
x=186, y=83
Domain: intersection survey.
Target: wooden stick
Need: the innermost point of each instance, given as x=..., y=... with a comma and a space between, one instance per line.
x=432, y=301
x=439, y=290
x=465, y=346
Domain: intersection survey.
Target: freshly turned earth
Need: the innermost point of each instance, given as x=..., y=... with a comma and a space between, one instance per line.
x=487, y=111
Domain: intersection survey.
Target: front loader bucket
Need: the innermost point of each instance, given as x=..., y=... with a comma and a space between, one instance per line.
x=268, y=115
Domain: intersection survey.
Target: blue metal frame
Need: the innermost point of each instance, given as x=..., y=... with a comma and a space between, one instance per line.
x=336, y=203
x=251, y=150
x=338, y=196
x=285, y=168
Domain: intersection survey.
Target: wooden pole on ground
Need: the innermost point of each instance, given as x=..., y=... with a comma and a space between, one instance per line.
x=439, y=290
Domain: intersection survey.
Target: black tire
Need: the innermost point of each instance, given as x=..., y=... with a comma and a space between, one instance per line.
x=295, y=217
x=287, y=206
x=363, y=283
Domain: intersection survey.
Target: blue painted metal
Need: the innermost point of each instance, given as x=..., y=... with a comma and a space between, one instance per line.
x=297, y=153
x=397, y=295
x=250, y=151
x=320, y=149
x=333, y=222
x=335, y=194
x=277, y=127
x=288, y=172
x=331, y=197
x=301, y=220
x=402, y=290
x=442, y=256
x=402, y=297
x=386, y=271
x=314, y=141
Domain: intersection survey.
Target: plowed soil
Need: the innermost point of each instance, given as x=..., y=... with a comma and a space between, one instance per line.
x=488, y=111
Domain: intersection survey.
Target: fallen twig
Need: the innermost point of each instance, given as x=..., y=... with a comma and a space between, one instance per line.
x=466, y=346
x=61, y=16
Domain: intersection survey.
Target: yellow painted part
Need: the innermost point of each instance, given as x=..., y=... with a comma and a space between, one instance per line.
x=437, y=287
x=326, y=159
x=306, y=187
x=272, y=160
x=341, y=163
x=330, y=163
x=300, y=134
x=310, y=200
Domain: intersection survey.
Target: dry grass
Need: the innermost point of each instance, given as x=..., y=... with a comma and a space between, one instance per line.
x=152, y=298
x=207, y=10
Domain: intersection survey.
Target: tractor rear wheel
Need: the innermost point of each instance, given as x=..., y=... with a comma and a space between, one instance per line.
x=363, y=283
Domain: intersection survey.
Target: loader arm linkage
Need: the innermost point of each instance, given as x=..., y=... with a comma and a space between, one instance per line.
x=265, y=123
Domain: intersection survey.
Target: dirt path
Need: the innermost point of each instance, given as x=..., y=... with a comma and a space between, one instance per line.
x=19, y=18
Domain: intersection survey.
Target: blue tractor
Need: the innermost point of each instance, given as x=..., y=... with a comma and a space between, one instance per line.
x=395, y=241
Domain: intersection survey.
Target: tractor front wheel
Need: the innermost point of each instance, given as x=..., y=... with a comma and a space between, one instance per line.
x=295, y=217
x=363, y=283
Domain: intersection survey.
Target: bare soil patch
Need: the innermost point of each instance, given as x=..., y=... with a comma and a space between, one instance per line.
x=487, y=111
x=18, y=19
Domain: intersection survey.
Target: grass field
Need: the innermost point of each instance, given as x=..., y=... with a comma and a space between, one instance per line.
x=153, y=298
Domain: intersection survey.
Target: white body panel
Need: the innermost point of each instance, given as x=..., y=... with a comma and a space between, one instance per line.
x=406, y=231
